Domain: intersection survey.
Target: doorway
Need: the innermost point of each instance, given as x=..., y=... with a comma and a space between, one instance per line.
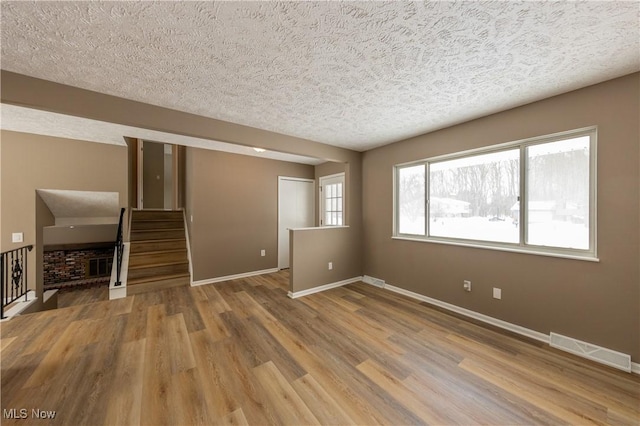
x=157, y=167
x=296, y=209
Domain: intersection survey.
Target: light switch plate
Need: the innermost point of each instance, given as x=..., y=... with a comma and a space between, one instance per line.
x=497, y=293
x=17, y=237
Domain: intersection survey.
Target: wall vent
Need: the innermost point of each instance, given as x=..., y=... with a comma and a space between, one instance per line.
x=592, y=352
x=373, y=281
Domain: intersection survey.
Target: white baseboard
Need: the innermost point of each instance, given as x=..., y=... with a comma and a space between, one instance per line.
x=523, y=331
x=472, y=314
x=233, y=277
x=294, y=295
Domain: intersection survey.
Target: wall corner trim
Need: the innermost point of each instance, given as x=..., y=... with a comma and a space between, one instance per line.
x=295, y=295
x=188, y=241
x=523, y=331
x=20, y=306
x=233, y=277
x=120, y=292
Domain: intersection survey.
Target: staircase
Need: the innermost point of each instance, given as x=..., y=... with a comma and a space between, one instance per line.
x=158, y=251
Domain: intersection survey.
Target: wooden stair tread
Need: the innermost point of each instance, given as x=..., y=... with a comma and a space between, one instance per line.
x=155, y=234
x=180, y=228
x=158, y=241
x=154, y=246
x=145, y=280
x=159, y=265
x=157, y=252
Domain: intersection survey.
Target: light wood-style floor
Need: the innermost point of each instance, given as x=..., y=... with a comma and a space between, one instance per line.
x=83, y=296
x=241, y=352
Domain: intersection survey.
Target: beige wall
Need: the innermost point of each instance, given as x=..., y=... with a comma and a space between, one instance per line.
x=30, y=162
x=593, y=302
x=234, y=202
x=80, y=234
x=315, y=248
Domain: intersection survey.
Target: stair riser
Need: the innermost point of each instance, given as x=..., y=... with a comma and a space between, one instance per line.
x=156, y=215
x=157, y=224
x=157, y=285
x=155, y=258
x=156, y=235
x=157, y=271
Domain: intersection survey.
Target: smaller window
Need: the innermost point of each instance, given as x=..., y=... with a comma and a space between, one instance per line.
x=332, y=200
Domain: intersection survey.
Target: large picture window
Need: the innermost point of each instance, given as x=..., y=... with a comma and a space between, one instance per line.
x=536, y=195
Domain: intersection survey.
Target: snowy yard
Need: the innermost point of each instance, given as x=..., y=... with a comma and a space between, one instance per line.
x=549, y=233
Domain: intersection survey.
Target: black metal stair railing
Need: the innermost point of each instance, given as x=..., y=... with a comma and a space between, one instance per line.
x=119, y=249
x=13, y=275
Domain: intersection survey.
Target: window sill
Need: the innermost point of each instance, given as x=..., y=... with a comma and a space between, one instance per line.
x=587, y=258
x=319, y=227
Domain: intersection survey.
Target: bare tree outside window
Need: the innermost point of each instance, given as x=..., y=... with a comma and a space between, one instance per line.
x=471, y=197
x=558, y=193
x=411, y=200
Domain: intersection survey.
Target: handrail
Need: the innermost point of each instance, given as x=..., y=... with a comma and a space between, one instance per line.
x=119, y=249
x=13, y=262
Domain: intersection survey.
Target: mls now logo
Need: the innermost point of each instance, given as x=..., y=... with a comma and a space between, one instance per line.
x=23, y=413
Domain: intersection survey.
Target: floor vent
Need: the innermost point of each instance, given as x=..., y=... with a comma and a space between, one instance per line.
x=373, y=281
x=592, y=352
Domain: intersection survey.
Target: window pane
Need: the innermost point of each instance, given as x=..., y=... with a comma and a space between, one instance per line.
x=339, y=219
x=476, y=197
x=339, y=190
x=411, y=200
x=93, y=267
x=558, y=194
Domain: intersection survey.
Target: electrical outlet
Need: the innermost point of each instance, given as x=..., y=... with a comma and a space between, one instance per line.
x=191, y=218
x=17, y=237
x=330, y=265
x=466, y=285
x=497, y=293
x=263, y=253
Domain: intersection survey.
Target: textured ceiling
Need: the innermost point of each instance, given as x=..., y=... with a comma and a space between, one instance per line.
x=351, y=74
x=70, y=207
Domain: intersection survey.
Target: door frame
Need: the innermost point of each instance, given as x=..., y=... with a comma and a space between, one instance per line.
x=280, y=179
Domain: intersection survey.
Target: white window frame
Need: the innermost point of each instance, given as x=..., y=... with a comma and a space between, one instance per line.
x=330, y=180
x=589, y=254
